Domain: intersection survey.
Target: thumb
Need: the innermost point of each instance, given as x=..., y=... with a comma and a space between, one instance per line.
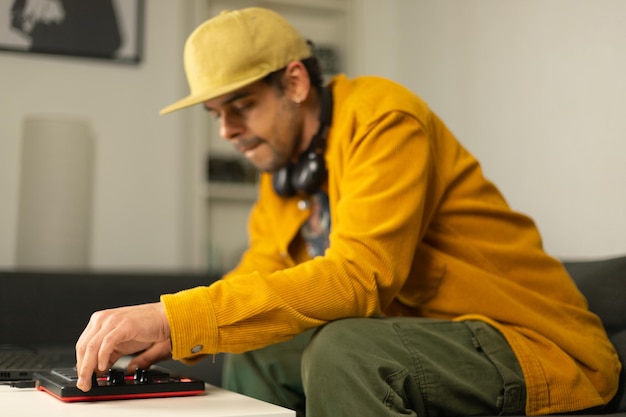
x=158, y=352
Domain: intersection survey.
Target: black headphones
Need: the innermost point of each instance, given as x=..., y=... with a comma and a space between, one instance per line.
x=309, y=173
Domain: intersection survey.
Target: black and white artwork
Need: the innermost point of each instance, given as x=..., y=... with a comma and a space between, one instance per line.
x=107, y=29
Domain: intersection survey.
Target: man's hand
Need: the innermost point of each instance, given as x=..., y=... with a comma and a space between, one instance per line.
x=111, y=334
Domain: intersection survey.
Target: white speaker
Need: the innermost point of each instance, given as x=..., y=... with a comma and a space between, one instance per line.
x=55, y=194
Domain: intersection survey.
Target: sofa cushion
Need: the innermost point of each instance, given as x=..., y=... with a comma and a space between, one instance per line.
x=603, y=282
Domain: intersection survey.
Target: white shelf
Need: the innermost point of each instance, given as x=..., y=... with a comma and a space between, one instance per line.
x=217, y=220
x=231, y=191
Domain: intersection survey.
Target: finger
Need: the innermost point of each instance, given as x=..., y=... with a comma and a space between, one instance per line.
x=86, y=335
x=96, y=346
x=112, y=346
x=156, y=353
x=86, y=345
x=85, y=369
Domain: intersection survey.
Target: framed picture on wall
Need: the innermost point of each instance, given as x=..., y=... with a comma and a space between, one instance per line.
x=105, y=29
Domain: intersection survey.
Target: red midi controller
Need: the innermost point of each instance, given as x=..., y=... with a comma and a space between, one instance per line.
x=116, y=384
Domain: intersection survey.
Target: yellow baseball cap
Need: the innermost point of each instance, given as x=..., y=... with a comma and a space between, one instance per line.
x=237, y=48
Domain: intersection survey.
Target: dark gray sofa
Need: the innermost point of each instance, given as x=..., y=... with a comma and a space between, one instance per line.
x=604, y=284
x=38, y=307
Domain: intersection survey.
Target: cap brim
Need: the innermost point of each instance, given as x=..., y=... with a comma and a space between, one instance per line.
x=201, y=97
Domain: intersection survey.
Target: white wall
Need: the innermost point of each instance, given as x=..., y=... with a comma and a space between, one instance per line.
x=139, y=215
x=535, y=89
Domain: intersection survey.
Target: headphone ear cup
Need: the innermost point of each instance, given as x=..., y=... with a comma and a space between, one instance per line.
x=309, y=174
x=281, y=180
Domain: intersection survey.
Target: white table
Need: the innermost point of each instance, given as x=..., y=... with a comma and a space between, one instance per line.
x=217, y=402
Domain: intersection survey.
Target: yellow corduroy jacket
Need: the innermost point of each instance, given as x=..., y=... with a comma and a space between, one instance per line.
x=416, y=231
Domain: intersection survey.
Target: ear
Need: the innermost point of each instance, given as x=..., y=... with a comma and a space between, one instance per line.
x=297, y=81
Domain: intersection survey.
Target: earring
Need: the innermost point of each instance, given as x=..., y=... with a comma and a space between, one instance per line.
x=297, y=101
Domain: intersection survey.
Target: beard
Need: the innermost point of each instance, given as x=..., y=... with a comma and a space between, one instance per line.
x=286, y=140
x=269, y=158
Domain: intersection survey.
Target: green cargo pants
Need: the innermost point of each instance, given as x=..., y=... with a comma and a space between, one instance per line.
x=385, y=367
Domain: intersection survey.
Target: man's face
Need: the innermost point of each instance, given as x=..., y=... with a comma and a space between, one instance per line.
x=262, y=124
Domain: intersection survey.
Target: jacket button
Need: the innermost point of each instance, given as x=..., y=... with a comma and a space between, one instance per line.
x=303, y=204
x=196, y=349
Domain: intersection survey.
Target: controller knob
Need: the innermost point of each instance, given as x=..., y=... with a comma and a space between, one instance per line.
x=143, y=376
x=115, y=377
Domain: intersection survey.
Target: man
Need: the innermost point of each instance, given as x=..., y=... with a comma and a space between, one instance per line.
x=385, y=274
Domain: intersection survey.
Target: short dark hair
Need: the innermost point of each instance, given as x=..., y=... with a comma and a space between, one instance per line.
x=312, y=66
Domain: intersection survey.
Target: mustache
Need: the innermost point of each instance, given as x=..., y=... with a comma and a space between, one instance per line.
x=242, y=145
